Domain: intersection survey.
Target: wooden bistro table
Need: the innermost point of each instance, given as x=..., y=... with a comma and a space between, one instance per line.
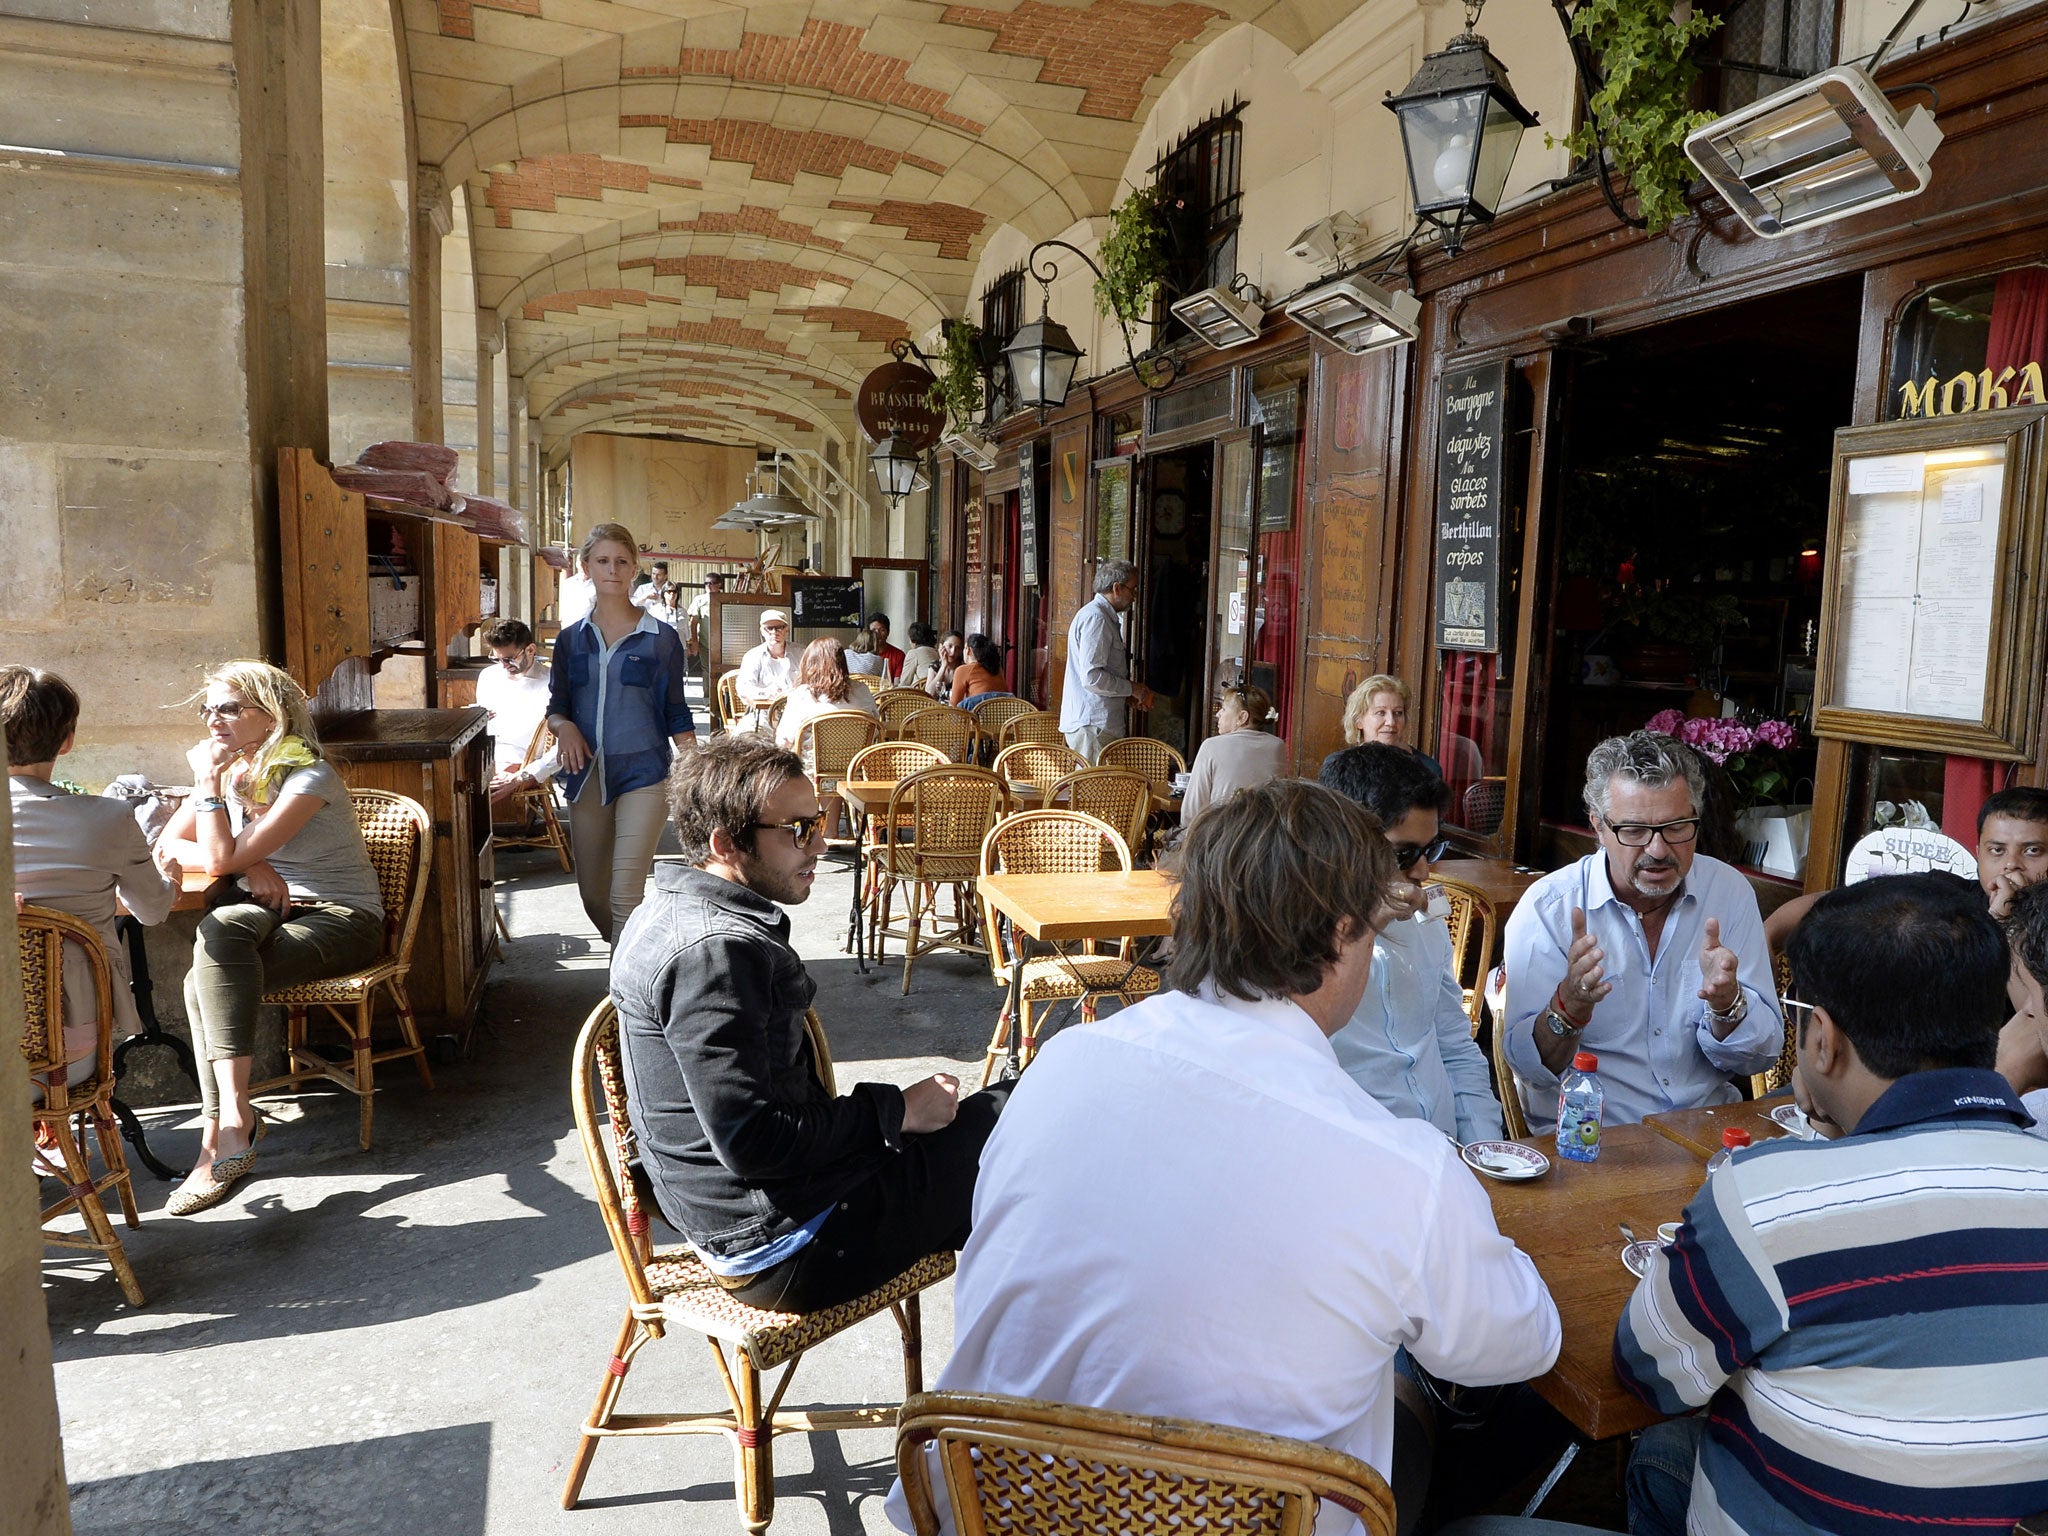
x=1568, y=1222
x=1070, y=909
x=1700, y=1129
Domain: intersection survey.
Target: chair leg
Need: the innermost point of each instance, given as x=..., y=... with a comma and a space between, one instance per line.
x=755, y=1485
x=365, y=1071
x=1027, y=1026
x=911, y=1321
x=600, y=1412
x=409, y=1026
x=913, y=925
x=998, y=1045
x=294, y=1043
x=108, y=1136
x=94, y=1210
x=555, y=833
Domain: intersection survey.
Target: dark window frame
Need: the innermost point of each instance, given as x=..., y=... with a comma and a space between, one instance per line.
x=1204, y=174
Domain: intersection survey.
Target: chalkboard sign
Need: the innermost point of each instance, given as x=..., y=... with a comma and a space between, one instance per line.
x=1470, y=461
x=1027, y=514
x=825, y=603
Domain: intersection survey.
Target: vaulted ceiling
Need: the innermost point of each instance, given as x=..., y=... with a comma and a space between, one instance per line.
x=711, y=219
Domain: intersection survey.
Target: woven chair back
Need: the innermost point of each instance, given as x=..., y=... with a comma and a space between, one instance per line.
x=1034, y=725
x=896, y=705
x=1473, y=924
x=1115, y=795
x=944, y=813
x=951, y=730
x=1778, y=1076
x=604, y=1124
x=44, y=933
x=828, y=742
x=1044, y=843
x=1141, y=754
x=991, y=715
x=1034, y=762
x=729, y=707
x=1020, y=1467
x=1486, y=806
x=400, y=837
x=887, y=761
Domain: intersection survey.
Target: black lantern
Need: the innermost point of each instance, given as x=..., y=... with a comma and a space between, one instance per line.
x=1042, y=359
x=895, y=467
x=1460, y=125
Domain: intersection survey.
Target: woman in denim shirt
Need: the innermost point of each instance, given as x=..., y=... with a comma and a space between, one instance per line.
x=616, y=703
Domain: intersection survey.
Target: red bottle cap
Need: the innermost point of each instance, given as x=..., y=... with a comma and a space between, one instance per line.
x=1734, y=1136
x=1586, y=1061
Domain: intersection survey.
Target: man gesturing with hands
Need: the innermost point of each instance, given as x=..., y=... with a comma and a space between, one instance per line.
x=793, y=1199
x=1644, y=952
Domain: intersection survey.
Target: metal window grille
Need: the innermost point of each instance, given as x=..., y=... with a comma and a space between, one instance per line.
x=1201, y=172
x=1764, y=45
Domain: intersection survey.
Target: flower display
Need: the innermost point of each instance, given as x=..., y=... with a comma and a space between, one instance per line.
x=1718, y=739
x=1751, y=755
x=1781, y=734
x=1665, y=722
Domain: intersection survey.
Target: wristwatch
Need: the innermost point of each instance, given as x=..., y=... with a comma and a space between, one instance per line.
x=1560, y=1026
x=209, y=803
x=1734, y=1015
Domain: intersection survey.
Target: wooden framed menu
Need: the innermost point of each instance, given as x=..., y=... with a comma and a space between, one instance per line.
x=1931, y=626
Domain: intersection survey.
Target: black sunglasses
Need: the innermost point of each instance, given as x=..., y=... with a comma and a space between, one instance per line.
x=1406, y=854
x=802, y=828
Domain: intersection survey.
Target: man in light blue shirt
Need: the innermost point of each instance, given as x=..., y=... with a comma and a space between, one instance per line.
x=1098, y=692
x=1646, y=953
x=1409, y=1042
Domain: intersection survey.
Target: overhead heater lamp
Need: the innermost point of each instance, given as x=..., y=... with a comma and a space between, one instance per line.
x=1826, y=148
x=1220, y=317
x=1358, y=315
x=970, y=446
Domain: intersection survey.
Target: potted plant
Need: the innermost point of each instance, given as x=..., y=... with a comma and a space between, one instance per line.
x=1757, y=759
x=957, y=390
x=1136, y=255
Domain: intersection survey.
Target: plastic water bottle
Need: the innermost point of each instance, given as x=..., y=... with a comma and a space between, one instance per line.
x=1732, y=1136
x=1580, y=1098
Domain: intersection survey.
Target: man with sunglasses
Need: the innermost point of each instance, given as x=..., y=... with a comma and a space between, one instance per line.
x=792, y=1198
x=1645, y=952
x=1409, y=1042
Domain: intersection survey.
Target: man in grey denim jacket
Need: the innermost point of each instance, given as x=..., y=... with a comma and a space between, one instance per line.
x=794, y=1199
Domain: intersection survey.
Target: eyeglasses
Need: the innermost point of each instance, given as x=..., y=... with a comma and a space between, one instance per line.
x=1636, y=835
x=802, y=828
x=1406, y=855
x=232, y=710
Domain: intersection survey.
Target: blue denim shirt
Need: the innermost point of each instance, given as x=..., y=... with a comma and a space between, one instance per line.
x=627, y=703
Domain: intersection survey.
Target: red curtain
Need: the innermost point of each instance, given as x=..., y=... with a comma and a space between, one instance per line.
x=2019, y=334
x=1466, y=735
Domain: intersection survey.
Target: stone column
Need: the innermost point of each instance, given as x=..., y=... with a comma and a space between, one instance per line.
x=487, y=349
x=433, y=216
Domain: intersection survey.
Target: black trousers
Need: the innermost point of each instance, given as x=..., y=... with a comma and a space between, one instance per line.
x=920, y=1202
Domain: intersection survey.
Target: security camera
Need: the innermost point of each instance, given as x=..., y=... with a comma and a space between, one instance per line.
x=1324, y=243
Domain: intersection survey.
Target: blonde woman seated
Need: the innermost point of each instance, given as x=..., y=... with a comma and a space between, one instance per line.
x=1240, y=755
x=266, y=807
x=1378, y=711
x=864, y=660
x=822, y=685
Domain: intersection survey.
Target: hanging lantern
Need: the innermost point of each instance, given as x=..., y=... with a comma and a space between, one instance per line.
x=1042, y=359
x=895, y=467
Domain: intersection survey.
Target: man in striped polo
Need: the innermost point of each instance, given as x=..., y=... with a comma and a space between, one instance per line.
x=1865, y=1317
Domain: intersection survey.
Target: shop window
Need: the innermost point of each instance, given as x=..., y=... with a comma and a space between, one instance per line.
x=1206, y=404
x=1201, y=175
x=1763, y=46
x=1002, y=313
x=1955, y=333
x=1122, y=432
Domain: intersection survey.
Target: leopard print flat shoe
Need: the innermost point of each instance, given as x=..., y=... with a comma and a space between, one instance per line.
x=226, y=1173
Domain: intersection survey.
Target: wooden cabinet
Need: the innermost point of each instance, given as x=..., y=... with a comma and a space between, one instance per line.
x=442, y=759
x=321, y=544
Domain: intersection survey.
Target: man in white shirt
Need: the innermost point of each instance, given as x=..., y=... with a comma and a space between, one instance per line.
x=768, y=671
x=651, y=592
x=1410, y=1043
x=697, y=625
x=1098, y=690
x=515, y=690
x=1645, y=952
x=1188, y=1209
x=576, y=594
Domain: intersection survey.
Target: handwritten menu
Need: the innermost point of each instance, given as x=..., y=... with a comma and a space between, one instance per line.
x=1920, y=538
x=1470, y=460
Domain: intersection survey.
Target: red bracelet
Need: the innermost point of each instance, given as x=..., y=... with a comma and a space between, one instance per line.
x=1557, y=1004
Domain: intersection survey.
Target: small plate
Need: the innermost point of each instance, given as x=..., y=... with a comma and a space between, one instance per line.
x=1635, y=1258
x=1791, y=1119
x=1508, y=1160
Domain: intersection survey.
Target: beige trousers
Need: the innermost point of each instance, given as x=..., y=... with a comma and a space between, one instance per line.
x=614, y=848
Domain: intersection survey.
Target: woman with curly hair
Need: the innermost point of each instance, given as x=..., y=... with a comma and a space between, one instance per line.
x=267, y=809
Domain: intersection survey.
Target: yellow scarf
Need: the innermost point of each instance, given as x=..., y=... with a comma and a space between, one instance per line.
x=270, y=767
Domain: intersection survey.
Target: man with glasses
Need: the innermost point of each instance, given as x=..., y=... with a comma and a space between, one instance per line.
x=767, y=671
x=1645, y=952
x=1096, y=697
x=795, y=1200
x=1409, y=1042
x=515, y=690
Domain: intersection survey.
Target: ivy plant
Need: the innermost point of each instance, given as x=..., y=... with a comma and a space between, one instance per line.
x=1638, y=108
x=956, y=380
x=1135, y=255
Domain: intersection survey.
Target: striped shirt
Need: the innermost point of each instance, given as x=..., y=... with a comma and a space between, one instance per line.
x=1866, y=1320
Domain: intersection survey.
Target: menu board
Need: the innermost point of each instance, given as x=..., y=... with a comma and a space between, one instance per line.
x=1919, y=572
x=1113, y=511
x=1470, y=461
x=1027, y=514
x=825, y=603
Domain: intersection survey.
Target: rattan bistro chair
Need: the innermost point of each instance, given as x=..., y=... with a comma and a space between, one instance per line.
x=931, y=836
x=1037, y=725
x=1473, y=919
x=888, y=761
x=992, y=715
x=1036, y=763
x=534, y=807
x=1115, y=795
x=951, y=730
x=401, y=842
x=1054, y=843
x=1778, y=1076
x=1016, y=1466
x=1141, y=754
x=60, y=1112
x=672, y=1289
x=1506, y=1086
x=896, y=705
x=729, y=707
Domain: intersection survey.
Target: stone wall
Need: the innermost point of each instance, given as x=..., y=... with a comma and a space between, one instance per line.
x=668, y=493
x=126, y=502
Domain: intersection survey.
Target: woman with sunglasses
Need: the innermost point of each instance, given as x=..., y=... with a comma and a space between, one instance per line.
x=268, y=810
x=1243, y=752
x=615, y=702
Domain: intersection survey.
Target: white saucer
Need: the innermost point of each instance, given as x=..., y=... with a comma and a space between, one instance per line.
x=1508, y=1160
x=1792, y=1119
x=1635, y=1257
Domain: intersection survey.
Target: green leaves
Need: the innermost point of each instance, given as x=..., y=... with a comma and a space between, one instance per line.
x=1134, y=255
x=956, y=382
x=1640, y=106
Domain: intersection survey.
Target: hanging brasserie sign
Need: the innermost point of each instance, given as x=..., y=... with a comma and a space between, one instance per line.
x=1979, y=391
x=895, y=401
x=1470, y=461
